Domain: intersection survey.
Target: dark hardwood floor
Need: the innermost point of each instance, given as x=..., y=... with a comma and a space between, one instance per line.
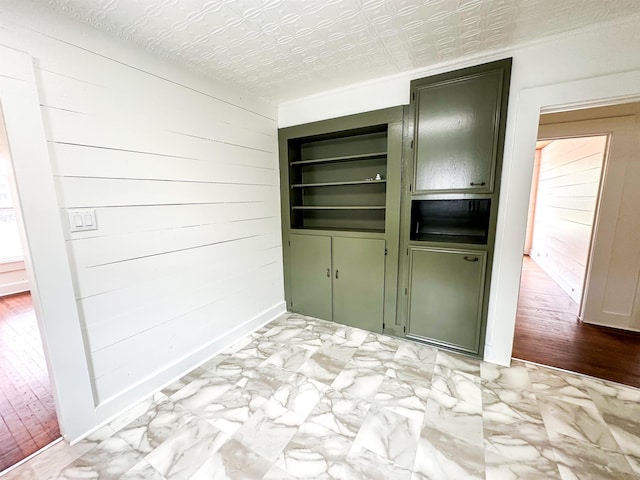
x=27, y=414
x=548, y=332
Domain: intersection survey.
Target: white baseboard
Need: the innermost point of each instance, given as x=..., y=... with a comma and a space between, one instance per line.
x=111, y=408
x=13, y=288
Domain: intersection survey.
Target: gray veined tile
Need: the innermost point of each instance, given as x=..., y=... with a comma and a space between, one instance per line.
x=196, y=396
x=582, y=460
x=408, y=370
x=160, y=422
x=404, y=398
x=108, y=461
x=233, y=461
x=502, y=468
x=231, y=410
x=136, y=411
x=515, y=377
x=581, y=422
x=527, y=444
x=454, y=417
x=390, y=435
x=417, y=353
x=339, y=352
x=300, y=394
x=180, y=456
x=457, y=385
x=365, y=464
x=142, y=471
x=503, y=406
x=314, y=452
x=264, y=381
x=282, y=333
x=634, y=463
x=383, y=346
x=269, y=430
x=289, y=358
x=461, y=363
x=322, y=368
x=443, y=457
x=548, y=383
x=276, y=473
x=183, y=381
x=349, y=337
x=340, y=413
x=358, y=382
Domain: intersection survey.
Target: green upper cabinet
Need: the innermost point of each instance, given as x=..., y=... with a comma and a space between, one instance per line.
x=458, y=129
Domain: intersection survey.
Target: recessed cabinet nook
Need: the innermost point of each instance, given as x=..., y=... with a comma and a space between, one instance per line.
x=389, y=216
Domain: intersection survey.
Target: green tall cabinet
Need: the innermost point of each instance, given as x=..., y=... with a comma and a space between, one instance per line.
x=452, y=162
x=340, y=196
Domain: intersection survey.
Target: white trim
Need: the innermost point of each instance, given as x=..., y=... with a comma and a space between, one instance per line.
x=45, y=254
x=13, y=288
x=516, y=187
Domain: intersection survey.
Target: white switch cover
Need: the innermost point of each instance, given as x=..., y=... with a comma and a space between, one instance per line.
x=82, y=219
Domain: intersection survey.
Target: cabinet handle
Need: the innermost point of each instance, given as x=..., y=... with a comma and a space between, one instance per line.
x=477, y=184
x=328, y=273
x=336, y=273
x=470, y=259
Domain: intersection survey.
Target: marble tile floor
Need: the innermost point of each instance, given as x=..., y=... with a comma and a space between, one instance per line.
x=306, y=398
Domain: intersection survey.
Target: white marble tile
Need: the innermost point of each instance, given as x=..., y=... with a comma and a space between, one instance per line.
x=457, y=385
x=503, y=468
x=180, y=456
x=581, y=422
x=443, y=457
x=461, y=363
x=322, y=368
x=390, y=435
x=233, y=461
x=269, y=430
x=300, y=394
x=365, y=464
x=290, y=357
x=142, y=471
x=515, y=377
x=340, y=413
x=358, y=382
x=404, y=398
x=454, y=417
x=314, y=452
x=231, y=410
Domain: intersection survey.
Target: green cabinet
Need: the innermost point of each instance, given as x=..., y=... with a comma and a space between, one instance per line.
x=311, y=275
x=340, y=201
x=456, y=132
x=446, y=293
x=339, y=279
x=358, y=282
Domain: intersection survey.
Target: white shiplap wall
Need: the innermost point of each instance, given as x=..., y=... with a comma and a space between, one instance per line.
x=567, y=194
x=183, y=176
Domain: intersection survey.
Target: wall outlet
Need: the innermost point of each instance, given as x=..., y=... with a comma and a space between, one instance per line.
x=82, y=219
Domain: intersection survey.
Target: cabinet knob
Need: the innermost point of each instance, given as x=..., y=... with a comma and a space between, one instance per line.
x=477, y=184
x=470, y=259
x=336, y=273
x=328, y=273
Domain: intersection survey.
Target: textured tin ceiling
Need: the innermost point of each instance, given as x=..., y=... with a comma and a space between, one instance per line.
x=282, y=49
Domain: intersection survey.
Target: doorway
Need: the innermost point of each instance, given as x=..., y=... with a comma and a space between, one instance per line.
x=28, y=420
x=559, y=249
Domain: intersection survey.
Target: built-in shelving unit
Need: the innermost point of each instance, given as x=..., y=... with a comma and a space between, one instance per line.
x=338, y=181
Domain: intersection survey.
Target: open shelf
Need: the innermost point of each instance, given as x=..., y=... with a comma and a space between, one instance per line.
x=339, y=207
x=450, y=221
x=334, y=184
x=343, y=158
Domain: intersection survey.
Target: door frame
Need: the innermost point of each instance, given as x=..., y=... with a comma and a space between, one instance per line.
x=516, y=188
x=45, y=255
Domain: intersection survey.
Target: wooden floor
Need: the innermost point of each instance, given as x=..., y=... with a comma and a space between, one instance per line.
x=548, y=332
x=27, y=414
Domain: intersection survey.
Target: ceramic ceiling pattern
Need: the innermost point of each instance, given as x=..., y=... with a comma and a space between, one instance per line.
x=282, y=49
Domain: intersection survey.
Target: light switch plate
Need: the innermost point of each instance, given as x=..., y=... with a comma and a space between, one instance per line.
x=82, y=219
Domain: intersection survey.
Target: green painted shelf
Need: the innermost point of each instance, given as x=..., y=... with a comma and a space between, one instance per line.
x=335, y=184
x=364, y=156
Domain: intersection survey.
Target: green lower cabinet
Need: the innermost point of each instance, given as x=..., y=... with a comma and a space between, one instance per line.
x=338, y=278
x=358, y=282
x=311, y=275
x=445, y=296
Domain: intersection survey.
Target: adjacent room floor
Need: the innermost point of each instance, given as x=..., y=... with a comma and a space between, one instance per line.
x=27, y=412
x=306, y=398
x=548, y=332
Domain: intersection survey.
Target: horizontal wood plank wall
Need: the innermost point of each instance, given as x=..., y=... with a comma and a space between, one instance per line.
x=183, y=177
x=568, y=185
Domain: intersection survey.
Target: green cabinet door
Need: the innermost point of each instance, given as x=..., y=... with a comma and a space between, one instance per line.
x=456, y=133
x=358, y=283
x=310, y=264
x=446, y=294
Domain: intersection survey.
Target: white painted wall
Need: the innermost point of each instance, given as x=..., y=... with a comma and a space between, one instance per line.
x=591, y=66
x=567, y=194
x=182, y=173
